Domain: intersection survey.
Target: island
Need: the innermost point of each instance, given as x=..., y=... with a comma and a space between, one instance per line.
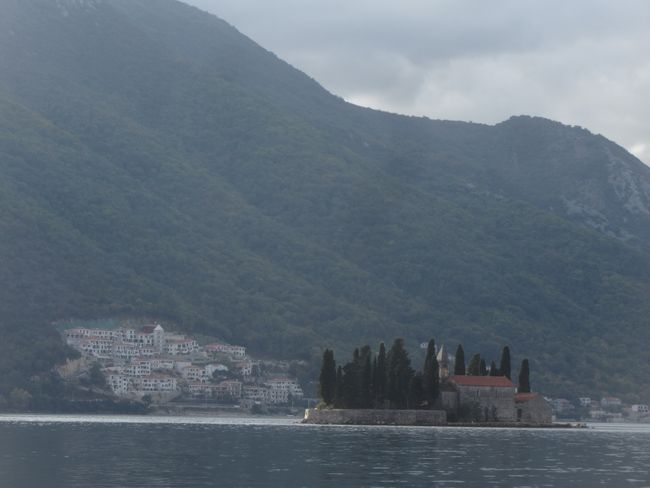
x=384, y=389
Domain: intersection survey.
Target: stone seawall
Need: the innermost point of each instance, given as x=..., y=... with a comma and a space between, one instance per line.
x=375, y=417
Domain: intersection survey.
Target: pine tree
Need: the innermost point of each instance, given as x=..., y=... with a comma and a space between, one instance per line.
x=380, y=377
x=504, y=367
x=459, y=363
x=483, y=368
x=524, y=377
x=494, y=371
x=474, y=367
x=327, y=379
x=399, y=374
x=431, y=375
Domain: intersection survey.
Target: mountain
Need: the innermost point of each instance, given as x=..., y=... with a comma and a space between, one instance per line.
x=156, y=162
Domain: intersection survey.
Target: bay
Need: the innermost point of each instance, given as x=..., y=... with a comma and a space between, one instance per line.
x=101, y=452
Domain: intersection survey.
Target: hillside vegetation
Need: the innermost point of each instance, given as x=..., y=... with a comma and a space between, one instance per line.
x=154, y=161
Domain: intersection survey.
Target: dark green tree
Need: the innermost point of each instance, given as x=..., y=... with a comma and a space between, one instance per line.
x=338, y=402
x=459, y=363
x=366, y=381
x=431, y=375
x=494, y=371
x=504, y=367
x=96, y=376
x=416, y=394
x=399, y=374
x=483, y=368
x=348, y=389
x=327, y=379
x=524, y=377
x=380, y=377
x=474, y=367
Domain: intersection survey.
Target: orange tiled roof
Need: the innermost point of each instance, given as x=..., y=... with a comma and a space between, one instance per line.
x=495, y=381
x=524, y=397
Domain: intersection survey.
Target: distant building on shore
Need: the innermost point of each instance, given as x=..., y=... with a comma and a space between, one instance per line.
x=492, y=396
x=492, y=399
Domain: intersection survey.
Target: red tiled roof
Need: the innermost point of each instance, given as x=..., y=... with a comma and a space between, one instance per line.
x=495, y=381
x=524, y=397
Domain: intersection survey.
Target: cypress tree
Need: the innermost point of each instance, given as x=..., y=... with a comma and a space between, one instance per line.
x=399, y=374
x=483, y=368
x=348, y=392
x=366, y=382
x=474, y=367
x=327, y=379
x=338, y=402
x=416, y=392
x=504, y=367
x=356, y=357
x=524, y=377
x=494, y=371
x=380, y=377
x=373, y=386
x=459, y=363
x=431, y=375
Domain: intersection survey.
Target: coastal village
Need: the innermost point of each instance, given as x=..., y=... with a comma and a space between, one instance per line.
x=161, y=367
x=153, y=365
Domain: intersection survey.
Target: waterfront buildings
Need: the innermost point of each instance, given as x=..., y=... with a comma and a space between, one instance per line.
x=149, y=361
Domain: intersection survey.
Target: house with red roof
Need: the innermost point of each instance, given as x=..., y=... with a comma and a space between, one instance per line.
x=533, y=408
x=486, y=398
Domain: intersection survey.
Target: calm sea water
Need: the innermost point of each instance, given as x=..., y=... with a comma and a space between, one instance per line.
x=98, y=452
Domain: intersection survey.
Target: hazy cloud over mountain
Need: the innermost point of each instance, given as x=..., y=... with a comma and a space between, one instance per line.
x=583, y=62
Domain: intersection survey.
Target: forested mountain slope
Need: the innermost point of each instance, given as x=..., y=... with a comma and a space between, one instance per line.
x=154, y=161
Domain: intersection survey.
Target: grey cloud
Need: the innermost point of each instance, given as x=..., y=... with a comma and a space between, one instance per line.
x=582, y=62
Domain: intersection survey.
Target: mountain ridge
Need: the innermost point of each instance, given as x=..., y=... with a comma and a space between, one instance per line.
x=157, y=162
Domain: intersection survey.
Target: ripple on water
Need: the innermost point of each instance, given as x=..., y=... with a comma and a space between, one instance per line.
x=104, y=451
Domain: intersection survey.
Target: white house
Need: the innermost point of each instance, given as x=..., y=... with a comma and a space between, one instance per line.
x=139, y=368
x=195, y=374
x=227, y=349
x=119, y=383
x=230, y=389
x=610, y=402
x=156, y=383
x=96, y=347
x=257, y=393
x=282, y=389
x=175, y=347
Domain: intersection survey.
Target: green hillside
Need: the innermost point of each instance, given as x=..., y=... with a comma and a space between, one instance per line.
x=154, y=161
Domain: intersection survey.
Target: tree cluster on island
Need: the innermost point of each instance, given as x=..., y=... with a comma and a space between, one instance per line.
x=387, y=379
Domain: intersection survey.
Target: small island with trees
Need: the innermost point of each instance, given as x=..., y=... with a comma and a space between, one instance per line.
x=384, y=389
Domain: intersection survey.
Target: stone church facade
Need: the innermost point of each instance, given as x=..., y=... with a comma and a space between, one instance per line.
x=492, y=396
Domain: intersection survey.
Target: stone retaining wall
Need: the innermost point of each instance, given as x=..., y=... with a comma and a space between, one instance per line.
x=375, y=417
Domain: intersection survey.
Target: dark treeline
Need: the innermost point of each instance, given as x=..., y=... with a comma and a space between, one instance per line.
x=382, y=380
x=387, y=380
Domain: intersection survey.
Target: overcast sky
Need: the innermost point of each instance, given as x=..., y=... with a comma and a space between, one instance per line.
x=582, y=62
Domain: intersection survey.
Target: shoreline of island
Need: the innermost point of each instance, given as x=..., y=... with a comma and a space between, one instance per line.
x=413, y=418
